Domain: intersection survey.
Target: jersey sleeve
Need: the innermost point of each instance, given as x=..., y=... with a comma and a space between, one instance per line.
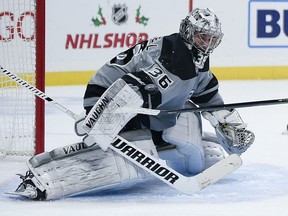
x=130, y=62
x=207, y=91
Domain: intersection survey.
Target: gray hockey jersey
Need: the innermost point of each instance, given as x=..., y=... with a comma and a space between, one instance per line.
x=162, y=70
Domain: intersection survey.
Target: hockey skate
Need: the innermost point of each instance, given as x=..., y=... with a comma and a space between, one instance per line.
x=28, y=189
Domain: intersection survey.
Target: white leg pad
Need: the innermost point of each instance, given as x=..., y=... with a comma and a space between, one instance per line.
x=188, y=156
x=77, y=168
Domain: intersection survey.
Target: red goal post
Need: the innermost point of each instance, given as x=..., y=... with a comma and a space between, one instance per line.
x=22, y=50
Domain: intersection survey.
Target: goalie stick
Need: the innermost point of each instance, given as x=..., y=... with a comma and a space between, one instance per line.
x=156, y=167
x=147, y=111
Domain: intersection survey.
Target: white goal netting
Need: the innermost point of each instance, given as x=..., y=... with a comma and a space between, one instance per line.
x=18, y=55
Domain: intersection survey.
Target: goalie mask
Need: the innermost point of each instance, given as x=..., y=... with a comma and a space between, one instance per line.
x=201, y=30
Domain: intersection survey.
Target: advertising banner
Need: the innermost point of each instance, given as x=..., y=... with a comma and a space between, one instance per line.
x=83, y=35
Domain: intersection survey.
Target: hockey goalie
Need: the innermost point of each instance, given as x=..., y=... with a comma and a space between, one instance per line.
x=169, y=72
x=90, y=166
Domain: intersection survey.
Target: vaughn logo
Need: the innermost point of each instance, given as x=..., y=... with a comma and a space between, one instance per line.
x=96, y=112
x=119, y=14
x=74, y=148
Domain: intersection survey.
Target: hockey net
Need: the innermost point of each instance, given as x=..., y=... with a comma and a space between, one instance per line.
x=22, y=35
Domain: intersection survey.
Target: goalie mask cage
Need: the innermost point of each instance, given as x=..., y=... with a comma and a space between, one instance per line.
x=22, y=51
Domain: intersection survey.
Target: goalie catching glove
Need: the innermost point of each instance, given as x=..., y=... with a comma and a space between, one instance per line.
x=231, y=130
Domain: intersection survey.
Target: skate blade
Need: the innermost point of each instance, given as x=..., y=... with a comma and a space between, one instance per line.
x=27, y=194
x=14, y=193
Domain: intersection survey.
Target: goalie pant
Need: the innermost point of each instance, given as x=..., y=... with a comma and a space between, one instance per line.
x=77, y=168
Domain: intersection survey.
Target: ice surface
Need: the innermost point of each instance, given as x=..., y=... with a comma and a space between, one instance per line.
x=259, y=187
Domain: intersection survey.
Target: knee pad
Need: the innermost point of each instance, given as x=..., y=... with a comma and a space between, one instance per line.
x=188, y=155
x=213, y=151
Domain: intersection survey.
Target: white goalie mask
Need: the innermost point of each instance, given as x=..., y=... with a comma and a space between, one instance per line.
x=201, y=29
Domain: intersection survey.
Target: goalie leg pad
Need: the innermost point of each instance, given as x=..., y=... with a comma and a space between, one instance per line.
x=78, y=168
x=188, y=155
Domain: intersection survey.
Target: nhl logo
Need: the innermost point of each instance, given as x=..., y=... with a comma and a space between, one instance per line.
x=119, y=14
